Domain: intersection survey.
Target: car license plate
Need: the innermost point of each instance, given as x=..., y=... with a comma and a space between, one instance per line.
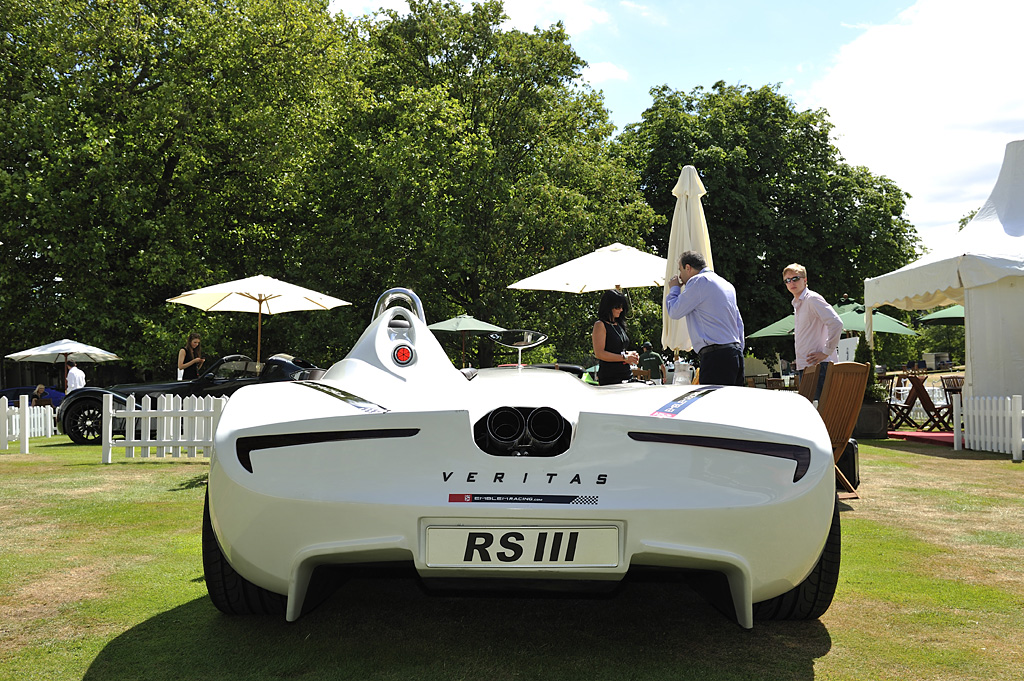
x=522, y=547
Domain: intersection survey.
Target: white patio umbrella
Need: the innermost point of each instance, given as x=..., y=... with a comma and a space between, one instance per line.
x=617, y=266
x=689, y=233
x=464, y=324
x=259, y=294
x=63, y=350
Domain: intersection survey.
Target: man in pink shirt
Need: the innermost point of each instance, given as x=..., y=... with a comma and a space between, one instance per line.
x=817, y=327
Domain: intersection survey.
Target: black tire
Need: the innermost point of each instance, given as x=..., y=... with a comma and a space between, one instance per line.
x=84, y=422
x=810, y=598
x=229, y=591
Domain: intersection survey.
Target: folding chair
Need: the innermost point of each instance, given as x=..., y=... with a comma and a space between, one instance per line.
x=900, y=412
x=839, y=407
x=809, y=381
x=940, y=417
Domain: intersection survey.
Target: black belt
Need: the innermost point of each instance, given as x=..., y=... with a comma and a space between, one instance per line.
x=720, y=346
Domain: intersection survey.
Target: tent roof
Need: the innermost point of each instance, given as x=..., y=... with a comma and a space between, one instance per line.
x=989, y=248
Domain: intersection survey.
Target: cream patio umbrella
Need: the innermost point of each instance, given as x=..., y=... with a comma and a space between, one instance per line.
x=689, y=233
x=259, y=294
x=63, y=350
x=616, y=266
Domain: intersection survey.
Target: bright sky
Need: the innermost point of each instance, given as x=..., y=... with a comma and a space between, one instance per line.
x=927, y=93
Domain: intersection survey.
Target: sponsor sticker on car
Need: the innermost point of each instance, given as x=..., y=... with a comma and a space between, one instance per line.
x=522, y=547
x=672, y=409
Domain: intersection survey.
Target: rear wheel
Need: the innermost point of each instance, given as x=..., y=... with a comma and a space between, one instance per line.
x=229, y=591
x=84, y=422
x=810, y=598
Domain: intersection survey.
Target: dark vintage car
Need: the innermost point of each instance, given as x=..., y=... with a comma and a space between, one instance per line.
x=81, y=417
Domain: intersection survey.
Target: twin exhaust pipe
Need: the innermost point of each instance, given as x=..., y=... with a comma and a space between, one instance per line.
x=521, y=431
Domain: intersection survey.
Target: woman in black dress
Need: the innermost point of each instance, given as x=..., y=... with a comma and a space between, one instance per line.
x=610, y=339
x=190, y=358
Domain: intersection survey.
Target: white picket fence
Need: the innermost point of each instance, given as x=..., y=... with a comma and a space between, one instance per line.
x=22, y=422
x=989, y=424
x=172, y=426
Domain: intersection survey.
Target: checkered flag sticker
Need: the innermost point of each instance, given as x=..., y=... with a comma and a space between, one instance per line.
x=584, y=500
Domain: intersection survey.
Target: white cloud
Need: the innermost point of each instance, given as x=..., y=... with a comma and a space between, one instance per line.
x=654, y=16
x=604, y=71
x=578, y=16
x=931, y=101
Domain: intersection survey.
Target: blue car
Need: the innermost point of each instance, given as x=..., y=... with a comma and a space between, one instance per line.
x=13, y=394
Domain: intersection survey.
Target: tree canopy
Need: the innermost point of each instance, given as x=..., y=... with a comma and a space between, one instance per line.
x=149, y=148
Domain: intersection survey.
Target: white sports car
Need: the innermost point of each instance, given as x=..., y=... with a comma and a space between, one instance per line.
x=515, y=473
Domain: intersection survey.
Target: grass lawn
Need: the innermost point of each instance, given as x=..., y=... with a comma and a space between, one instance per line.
x=101, y=578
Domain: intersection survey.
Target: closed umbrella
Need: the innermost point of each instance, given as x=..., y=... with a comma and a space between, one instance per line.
x=259, y=294
x=464, y=324
x=689, y=233
x=615, y=266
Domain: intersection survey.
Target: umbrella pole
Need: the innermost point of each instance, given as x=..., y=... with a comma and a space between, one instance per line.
x=463, y=334
x=259, y=331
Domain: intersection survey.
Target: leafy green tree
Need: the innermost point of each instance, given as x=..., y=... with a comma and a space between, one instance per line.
x=778, y=192
x=149, y=149
x=475, y=158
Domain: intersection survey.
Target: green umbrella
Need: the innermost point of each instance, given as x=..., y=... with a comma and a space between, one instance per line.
x=950, y=316
x=783, y=327
x=852, y=315
x=464, y=324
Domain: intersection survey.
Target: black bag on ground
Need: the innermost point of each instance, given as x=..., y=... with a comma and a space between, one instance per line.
x=849, y=463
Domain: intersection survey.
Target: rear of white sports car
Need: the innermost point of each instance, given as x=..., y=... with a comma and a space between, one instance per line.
x=516, y=473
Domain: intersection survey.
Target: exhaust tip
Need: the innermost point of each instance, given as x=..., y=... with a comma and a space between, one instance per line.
x=505, y=427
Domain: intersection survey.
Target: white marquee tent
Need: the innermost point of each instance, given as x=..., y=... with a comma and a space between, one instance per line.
x=983, y=269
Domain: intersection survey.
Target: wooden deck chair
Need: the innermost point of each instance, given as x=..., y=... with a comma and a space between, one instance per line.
x=839, y=408
x=642, y=374
x=809, y=381
x=952, y=385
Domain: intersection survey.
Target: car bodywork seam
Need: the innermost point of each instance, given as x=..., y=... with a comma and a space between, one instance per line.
x=345, y=396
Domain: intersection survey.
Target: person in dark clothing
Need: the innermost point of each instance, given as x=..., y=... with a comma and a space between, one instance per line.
x=653, y=362
x=610, y=339
x=190, y=358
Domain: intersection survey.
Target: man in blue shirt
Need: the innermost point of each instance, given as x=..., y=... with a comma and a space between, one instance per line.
x=708, y=303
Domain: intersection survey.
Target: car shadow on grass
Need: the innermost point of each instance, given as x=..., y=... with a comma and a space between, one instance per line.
x=390, y=627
